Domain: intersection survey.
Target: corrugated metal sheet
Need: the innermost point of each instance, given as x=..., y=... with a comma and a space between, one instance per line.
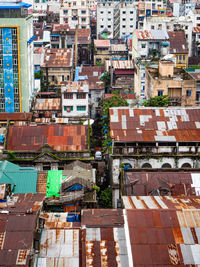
x=104, y=247
x=152, y=35
x=165, y=237
x=48, y=104
x=142, y=124
x=178, y=183
x=59, y=137
x=56, y=220
x=81, y=87
x=17, y=228
x=60, y=243
x=58, y=58
x=160, y=202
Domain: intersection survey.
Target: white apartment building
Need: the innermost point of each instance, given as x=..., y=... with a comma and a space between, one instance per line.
x=75, y=13
x=171, y=24
x=118, y=19
x=75, y=100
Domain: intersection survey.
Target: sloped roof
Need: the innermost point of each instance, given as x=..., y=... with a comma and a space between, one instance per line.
x=93, y=74
x=163, y=231
x=155, y=124
x=143, y=183
x=102, y=43
x=17, y=228
x=83, y=36
x=47, y=104
x=23, y=180
x=152, y=35
x=178, y=43
x=59, y=137
x=58, y=58
x=20, y=116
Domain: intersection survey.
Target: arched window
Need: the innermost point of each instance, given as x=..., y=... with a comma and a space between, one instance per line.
x=146, y=165
x=166, y=165
x=186, y=165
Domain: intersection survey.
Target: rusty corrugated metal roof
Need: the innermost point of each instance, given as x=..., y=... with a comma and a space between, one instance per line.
x=80, y=86
x=59, y=241
x=178, y=42
x=93, y=74
x=17, y=226
x=47, y=104
x=161, y=202
x=23, y=116
x=164, y=236
x=59, y=137
x=58, y=58
x=102, y=217
x=155, y=124
x=102, y=43
x=103, y=240
x=178, y=183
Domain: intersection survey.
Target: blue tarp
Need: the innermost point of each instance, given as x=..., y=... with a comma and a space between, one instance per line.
x=31, y=39
x=75, y=187
x=1, y=138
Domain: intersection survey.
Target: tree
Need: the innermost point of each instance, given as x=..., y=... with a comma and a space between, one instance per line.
x=157, y=101
x=105, y=199
x=106, y=78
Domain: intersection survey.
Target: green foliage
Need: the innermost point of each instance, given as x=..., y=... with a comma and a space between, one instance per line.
x=97, y=188
x=99, y=64
x=106, y=78
x=105, y=200
x=11, y=154
x=157, y=101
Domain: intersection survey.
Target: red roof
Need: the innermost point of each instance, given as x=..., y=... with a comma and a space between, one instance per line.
x=124, y=72
x=59, y=137
x=155, y=124
x=21, y=116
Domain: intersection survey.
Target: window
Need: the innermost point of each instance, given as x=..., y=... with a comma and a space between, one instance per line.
x=124, y=19
x=160, y=93
x=180, y=57
x=81, y=96
x=62, y=78
x=81, y=108
x=101, y=12
x=184, y=57
x=83, y=19
x=109, y=19
x=74, y=3
x=131, y=12
x=82, y=3
x=123, y=12
x=143, y=45
x=198, y=18
x=52, y=78
x=109, y=26
x=152, y=27
x=83, y=11
x=68, y=108
x=65, y=12
x=188, y=93
x=68, y=96
x=123, y=26
x=186, y=27
x=109, y=12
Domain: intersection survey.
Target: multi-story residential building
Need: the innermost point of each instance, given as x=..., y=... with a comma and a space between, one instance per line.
x=105, y=50
x=116, y=18
x=57, y=67
x=153, y=43
x=75, y=13
x=16, y=57
x=62, y=36
x=92, y=74
x=75, y=100
x=167, y=80
x=171, y=24
x=149, y=8
x=153, y=138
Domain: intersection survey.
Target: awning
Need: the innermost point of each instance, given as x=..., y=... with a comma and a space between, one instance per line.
x=165, y=44
x=31, y=39
x=55, y=35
